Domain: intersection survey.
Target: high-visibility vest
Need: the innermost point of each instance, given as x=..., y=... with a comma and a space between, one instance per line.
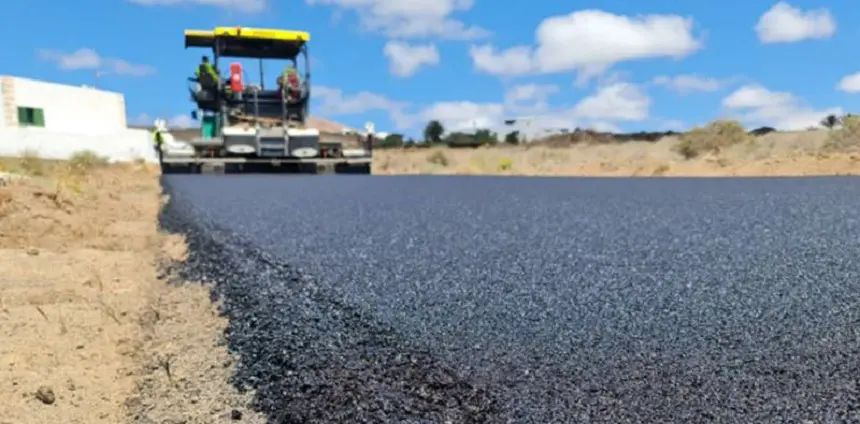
x=207, y=68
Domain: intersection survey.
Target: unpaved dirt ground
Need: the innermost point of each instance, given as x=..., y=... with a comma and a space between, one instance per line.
x=91, y=333
x=775, y=154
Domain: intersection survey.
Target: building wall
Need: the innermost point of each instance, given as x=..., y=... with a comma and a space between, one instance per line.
x=68, y=109
x=125, y=146
x=2, y=107
x=8, y=115
x=76, y=119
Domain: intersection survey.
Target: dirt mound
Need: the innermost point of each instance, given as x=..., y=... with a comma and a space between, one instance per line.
x=88, y=325
x=62, y=214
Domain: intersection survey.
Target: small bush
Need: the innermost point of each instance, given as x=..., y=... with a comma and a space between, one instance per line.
x=438, y=158
x=660, y=170
x=31, y=164
x=711, y=138
x=86, y=160
x=505, y=164
x=845, y=138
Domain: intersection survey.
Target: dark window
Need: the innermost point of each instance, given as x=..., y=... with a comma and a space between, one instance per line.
x=31, y=117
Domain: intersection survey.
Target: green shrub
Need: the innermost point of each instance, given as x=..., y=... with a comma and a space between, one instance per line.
x=711, y=138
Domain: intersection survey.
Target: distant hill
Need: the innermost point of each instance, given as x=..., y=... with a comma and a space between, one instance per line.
x=597, y=137
x=325, y=125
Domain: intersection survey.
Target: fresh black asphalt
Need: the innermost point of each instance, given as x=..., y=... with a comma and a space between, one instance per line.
x=359, y=299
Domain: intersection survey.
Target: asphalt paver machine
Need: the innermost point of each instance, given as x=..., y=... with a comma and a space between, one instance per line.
x=243, y=123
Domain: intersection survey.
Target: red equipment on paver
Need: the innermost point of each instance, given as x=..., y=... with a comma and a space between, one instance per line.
x=236, y=77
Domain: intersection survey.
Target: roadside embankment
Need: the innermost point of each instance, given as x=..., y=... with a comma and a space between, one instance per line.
x=712, y=151
x=92, y=330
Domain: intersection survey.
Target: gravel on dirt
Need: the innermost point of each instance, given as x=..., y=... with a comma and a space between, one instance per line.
x=540, y=300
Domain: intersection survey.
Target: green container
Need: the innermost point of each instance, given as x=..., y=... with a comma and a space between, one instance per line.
x=209, y=126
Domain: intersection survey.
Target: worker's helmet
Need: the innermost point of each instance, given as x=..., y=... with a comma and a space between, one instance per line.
x=205, y=59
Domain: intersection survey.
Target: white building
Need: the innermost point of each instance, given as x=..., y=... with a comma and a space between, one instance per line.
x=56, y=121
x=67, y=109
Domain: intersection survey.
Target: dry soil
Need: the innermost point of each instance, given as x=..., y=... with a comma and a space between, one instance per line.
x=91, y=332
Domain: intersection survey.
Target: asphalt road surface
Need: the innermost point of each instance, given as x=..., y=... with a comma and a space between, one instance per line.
x=542, y=300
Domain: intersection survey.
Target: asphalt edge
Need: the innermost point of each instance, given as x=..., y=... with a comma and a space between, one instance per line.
x=230, y=266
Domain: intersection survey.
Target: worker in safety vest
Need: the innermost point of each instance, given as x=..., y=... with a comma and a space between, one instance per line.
x=157, y=130
x=158, y=137
x=206, y=74
x=290, y=82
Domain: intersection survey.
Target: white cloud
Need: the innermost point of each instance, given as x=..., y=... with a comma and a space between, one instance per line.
x=175, y=122
x=406, y=59
x=463, y=116
x=181, y=121
x=413, y=18
x=89, y=59
x=608, y=106
x=511, y=62
x=604, y=110
x=850, y=83
x=530, y=93
x=333, y=101
x=616, y=102
x=756, y=105
x=246, y=6
x=142, y=119
x=784, y=23
x=590, y=42
x=689, y=83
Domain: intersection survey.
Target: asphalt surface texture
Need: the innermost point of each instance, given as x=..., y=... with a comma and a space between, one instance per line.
x=366, y=299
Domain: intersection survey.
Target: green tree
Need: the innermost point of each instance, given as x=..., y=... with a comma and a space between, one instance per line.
x=830, y=121
x=485, y=136
x=459, y=139
x=392, y=140
x=512, y=137
x=433, y=132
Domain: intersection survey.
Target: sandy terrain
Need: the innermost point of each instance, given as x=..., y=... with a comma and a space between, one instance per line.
x=788, y=153
x=89, y=330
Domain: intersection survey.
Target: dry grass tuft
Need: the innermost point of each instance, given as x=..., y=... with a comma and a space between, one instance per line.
x=438, y=158
x=30, y=164
x=846, y=138
x=712, y=138
x=85, y=161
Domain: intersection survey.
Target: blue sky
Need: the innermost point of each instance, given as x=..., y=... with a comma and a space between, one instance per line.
x=613, y=64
